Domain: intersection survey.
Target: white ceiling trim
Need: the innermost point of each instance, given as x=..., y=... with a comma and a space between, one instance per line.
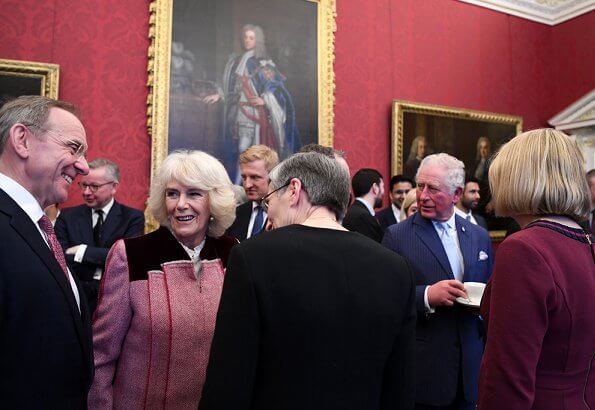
x=579, y=114
x=549, y=12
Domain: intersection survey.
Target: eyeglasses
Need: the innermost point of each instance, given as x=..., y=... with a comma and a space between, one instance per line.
x=264, y=201
x=76, y=148
x=93, y=187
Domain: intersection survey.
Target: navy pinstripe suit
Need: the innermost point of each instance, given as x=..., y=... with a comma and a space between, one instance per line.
x=452, y=336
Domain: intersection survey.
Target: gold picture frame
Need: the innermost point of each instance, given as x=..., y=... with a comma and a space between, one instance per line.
x=29, y=77
x=161, y=25
x=456, y=131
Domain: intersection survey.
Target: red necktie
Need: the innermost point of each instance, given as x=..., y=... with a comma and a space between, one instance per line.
x=46, y=226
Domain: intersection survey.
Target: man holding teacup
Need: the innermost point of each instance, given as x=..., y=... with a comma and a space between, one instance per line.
x=445, y=250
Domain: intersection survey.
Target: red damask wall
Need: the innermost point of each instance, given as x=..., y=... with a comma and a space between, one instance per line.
x=101, y=47
x=433, y=51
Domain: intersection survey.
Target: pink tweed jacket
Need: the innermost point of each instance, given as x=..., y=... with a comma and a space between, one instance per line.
x=154, y=323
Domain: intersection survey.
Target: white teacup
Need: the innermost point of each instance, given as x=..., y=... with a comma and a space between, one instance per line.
x=474, y=291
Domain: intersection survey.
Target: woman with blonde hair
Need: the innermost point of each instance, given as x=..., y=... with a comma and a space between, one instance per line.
x=538, y=306
x=160, y=292
x=409, y=206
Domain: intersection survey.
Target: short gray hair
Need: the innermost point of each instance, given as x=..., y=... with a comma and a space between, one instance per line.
x=111, y=167
x=203, y=171
x=326, y=183
x=29, y=110
x=455, y=169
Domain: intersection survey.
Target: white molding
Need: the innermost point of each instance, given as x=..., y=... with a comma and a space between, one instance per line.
x=579, y=114
x=540, y=12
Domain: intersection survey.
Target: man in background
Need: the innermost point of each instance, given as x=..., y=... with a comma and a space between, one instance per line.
x=88, y=231
x=46, y=360
x=400, y=185
x=368, y=188
x=469, y=202
x=445, y=251
x=255, y=164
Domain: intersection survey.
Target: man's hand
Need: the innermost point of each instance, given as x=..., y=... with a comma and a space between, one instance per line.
x=444, y=293
x=72, y=250
x=211, y=99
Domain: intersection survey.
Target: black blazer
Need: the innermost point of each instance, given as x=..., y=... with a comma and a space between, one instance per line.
x=46, y=358
x=239, y=228
x=386, y=217
x=481, y=221
x=313, y=318
x=74, y=226
x=359, y=219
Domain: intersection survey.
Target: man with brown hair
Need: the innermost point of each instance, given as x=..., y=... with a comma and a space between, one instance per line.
x=46, y=360
x=255, y=164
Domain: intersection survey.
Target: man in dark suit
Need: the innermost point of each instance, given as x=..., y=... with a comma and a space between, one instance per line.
x=445, y=251
x=368, y=189
x=46, y=358
x=399, y=186
x=468, y=203
x=312, y=316
x=255, y=164
x=87, y=232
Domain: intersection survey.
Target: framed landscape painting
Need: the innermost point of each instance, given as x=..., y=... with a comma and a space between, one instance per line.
x=227, y=74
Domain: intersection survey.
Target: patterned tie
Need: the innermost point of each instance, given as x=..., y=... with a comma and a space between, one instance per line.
x=257, y=227
x=97, y=227
x=468, y=217
x=452, y=251
x=46, y=226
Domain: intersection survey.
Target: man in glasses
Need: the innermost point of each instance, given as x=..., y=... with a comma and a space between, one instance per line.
x=400, y=185
x=46, y=358
x=87, y=232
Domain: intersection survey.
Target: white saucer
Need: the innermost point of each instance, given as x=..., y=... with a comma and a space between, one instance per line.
x=467, y=302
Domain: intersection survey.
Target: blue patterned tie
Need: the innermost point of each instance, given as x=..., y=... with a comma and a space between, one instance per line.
x=257, y=227
x=452, y=251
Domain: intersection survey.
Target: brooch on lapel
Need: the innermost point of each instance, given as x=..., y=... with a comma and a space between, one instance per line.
x=482, y=256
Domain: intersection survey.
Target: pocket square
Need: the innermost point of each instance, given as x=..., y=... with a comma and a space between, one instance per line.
x=482, y=256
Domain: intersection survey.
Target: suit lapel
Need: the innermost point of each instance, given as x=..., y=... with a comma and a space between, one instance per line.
x=245, y=214
x=427, y=234
x=111, y=223
x=24, y=227
x=85, y=225
x=465, y=243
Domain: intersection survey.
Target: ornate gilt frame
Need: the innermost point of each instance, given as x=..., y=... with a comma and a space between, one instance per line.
x=160, y=35
x=49, y=74
x=401, y=107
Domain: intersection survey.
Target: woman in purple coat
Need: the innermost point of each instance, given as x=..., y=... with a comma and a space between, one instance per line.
x=159, y=296
x=539, y=304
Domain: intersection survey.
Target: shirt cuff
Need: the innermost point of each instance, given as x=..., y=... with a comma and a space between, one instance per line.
x=80, y=252
x=429, y=309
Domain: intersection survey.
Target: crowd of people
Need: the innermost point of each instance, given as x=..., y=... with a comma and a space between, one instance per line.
x=295, y=293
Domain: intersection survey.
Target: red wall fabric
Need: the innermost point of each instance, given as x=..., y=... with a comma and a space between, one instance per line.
x=101, y=48
x=431, y=51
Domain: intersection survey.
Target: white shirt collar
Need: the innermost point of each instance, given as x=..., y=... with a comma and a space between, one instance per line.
x=22, y=197
x=106, y=208
x=450, y=222
x=462, y=214
x=396, y=212
x=370, y=209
